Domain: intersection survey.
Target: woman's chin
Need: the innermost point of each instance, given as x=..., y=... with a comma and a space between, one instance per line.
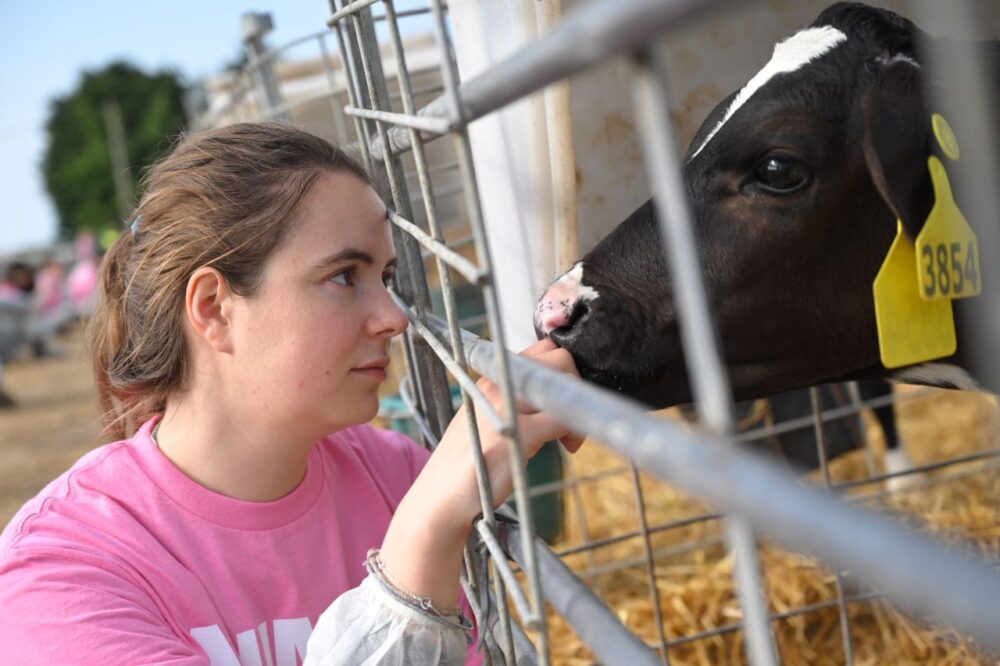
x=361, y=412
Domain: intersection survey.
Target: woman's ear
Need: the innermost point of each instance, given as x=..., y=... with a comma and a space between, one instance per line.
x=208, y=302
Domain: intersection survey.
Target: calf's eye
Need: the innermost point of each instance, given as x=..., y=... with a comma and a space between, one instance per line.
x=781, y=175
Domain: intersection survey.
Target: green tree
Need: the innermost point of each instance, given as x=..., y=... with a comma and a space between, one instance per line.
x=77, y=161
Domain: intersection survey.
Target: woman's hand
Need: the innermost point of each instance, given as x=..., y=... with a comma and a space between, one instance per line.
x=451, y=470
x=423, y=547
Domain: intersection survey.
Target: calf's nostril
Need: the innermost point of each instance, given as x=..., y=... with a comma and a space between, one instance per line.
x=578, y=312
x=569, y=327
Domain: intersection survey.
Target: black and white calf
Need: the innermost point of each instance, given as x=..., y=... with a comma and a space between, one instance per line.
x=795, y=183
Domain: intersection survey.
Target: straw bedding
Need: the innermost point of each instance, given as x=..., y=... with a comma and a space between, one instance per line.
x=694, y=572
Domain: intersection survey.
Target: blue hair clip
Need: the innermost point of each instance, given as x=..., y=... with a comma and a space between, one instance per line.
x=135, y=225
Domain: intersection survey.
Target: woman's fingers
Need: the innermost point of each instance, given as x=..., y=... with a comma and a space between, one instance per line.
x=536, y=429
x=539, y=347
x=544, y=352
x=572, y=442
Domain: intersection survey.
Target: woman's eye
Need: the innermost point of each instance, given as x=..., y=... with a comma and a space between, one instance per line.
x=344, y=278
x=389, y=279
x=781, y=175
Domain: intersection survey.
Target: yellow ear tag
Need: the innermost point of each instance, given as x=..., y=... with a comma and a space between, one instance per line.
x=910, y=329
x=946, y=247
x=945, y=136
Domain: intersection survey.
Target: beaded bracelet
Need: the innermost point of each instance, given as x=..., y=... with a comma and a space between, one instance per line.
x=450, y=618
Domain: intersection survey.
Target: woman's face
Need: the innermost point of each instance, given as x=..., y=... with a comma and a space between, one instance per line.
x=311, y=346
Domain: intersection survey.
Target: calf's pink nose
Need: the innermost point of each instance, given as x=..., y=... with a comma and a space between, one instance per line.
x=555, y=308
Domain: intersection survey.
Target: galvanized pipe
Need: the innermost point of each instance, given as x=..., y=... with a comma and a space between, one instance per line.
x=845, y=625
x=466, y=268
x=595, y=623
x=708, y=377
x=500, y=566
x=436, y=125
x=587, y=36
x=964, y=591
x=501, y=374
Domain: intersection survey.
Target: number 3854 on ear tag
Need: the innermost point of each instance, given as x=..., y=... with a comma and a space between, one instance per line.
x=947, y=250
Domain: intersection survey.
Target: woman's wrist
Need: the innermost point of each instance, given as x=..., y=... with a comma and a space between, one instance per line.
x=423, y=550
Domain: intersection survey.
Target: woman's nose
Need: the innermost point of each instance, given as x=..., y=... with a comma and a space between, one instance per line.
x=388, y=319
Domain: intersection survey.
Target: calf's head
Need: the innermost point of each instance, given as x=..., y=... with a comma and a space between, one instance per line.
x=795, y=183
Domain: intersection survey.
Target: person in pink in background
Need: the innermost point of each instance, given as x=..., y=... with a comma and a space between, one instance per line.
x=16, y=290
x=81, y=283
x=239, y=344
x=18, y=284
x=50, y=288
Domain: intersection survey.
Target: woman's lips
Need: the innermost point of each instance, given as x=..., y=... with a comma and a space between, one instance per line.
x=374, y=370
x=372, y=373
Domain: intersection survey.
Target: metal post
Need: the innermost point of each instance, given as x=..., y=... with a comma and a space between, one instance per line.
x=502, y=374
x=701, y=350
x=845, y=625
x=431, y=384
x=254, y=27
x=451, y=311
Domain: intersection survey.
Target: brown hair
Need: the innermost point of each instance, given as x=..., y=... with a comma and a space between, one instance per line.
x=223, y=198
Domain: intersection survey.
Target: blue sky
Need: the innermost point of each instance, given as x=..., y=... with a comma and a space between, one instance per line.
x=46, y=45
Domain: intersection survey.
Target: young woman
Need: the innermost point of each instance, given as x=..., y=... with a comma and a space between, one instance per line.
x=241, y=339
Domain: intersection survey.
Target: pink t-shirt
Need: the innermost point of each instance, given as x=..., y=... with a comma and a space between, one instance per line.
x=125, y=560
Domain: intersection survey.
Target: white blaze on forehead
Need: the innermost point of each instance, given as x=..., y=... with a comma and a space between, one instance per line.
x=789, y=55
x=574, y=277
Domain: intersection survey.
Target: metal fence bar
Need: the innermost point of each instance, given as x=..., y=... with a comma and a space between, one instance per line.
x=708, y=517
x=647, y=548
x=573, y=483
x=448, y=256
x=929, y=467
x=963, y=591
x=855, y=395
x=833, y=414
x=597, y=625
x=406, y=393
x=410, y=12
x=795, y=612
x=436, y=125
x=418, y=92
x=585, y=37
x=707, y=374
x=353, y=86
x=500, y=564
x=845, y=627
x=432, y=386
x=457, y=363
x=501, y=374
x=340, y=129
x=348, y=9
x=458, y=371
x=659, y=555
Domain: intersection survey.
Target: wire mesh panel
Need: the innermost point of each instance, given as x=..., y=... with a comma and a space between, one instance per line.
x=449, y=116
x=398, y=117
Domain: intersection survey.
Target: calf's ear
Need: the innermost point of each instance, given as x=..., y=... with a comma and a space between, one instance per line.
x=897, y=143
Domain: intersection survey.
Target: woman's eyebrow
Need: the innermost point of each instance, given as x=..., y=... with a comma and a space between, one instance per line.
x=348, y=254
x=351, y=254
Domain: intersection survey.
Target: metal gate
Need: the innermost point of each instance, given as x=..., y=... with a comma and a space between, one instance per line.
x=396, y=134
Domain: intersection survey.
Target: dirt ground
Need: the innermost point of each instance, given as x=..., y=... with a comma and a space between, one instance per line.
x=54, y=423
